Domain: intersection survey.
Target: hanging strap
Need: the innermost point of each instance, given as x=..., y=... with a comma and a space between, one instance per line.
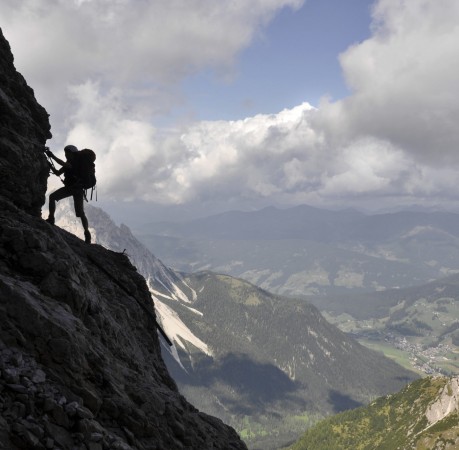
x=94, y=188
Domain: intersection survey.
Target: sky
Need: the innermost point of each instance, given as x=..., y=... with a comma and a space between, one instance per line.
x=201, y=106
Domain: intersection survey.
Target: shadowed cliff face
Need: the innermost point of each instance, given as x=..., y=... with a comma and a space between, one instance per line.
x=80, y=364
x=24, y=129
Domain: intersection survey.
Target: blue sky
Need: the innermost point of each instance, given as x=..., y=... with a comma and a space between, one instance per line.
x=294, y=59
x=202, y=106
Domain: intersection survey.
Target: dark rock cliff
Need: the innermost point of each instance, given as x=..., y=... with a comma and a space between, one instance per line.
x=24, y=129
x=80, y=363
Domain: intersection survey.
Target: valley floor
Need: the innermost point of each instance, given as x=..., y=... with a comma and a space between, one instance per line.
x=425, y=355
x=442, y=359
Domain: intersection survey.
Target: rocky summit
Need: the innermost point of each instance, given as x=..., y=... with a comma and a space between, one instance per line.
x=80, y=362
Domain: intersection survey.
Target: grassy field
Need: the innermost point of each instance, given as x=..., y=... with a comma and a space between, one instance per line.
x=399, y=356
x=451, y=363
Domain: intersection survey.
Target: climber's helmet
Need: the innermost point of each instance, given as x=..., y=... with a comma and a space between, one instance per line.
x=70, y=149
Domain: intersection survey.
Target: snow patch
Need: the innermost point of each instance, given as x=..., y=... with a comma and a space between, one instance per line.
x=199, y=313
x=172, y=350
x=155, y=292
x=175, y=292
x=177, y=330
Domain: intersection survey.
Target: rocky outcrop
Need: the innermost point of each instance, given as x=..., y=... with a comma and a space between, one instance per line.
x=446, y=403
x=80, y=362
x=24, y=129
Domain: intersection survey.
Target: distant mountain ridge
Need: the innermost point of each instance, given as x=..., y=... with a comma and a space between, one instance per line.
x=254, y=359
x=306, y=222
x=268, y=223
x=306, y=251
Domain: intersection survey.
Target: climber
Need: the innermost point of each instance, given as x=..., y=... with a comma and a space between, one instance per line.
x=73, y=185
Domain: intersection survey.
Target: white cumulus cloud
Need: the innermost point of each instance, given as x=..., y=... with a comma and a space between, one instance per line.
x=404, y=79
x=107, y=69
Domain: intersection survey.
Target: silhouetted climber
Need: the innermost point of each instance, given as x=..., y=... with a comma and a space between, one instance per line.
x=79, y=175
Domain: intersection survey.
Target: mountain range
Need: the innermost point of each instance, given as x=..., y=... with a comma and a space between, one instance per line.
x=306, y=251
x=423, y=415
x=390, y=279
x=266, y=364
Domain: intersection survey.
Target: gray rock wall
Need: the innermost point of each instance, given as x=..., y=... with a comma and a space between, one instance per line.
x=80, y=362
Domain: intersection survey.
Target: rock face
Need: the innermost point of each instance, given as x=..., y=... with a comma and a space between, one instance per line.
x=446, y=403
x=80, y=363
x=24, y=129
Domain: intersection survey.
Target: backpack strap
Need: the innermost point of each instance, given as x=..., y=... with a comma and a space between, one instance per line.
x=94, y=189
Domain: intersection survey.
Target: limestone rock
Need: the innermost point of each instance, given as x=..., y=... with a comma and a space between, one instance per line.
x=446, y=403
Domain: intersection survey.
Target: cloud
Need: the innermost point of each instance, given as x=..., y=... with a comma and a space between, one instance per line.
x=134, y=45
x=283, y=158
x=404, y=79
x=394, y=138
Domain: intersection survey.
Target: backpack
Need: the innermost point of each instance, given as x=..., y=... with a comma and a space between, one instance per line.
x=84, y=168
